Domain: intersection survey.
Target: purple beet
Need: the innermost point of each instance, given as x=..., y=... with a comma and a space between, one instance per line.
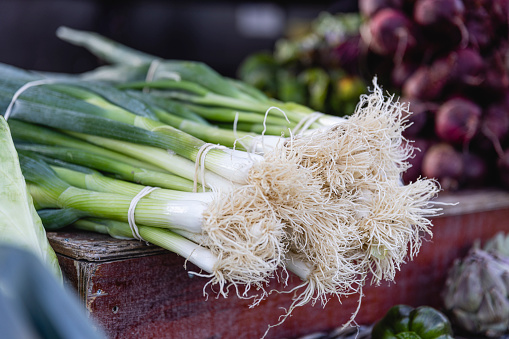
x=475, y=171
x=415, y=171
x=390, y=32
x=348, y=54
x=428, y=82
x=503, y=168
x=438, y=12
x=402, y=72
x=419, y=117
x=467, y=66
x=443, y=163
x=457, y=120
x=495, y=76
x=495, y=124
x=479, y=26
x=499, y=11
x=369, y=7
x=444, y=17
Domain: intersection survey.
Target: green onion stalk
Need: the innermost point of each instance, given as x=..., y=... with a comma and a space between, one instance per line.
x=275, y=182
x=27, y=132
x=201, y=256
x=267, y=186
x=105, y=164
x=97, y=182
x=46, y=106
x=152, y=158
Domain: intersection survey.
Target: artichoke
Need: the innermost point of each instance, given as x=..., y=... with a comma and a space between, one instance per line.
x=477, y=288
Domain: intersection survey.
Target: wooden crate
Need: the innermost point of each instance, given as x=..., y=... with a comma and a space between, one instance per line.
x=136, y=291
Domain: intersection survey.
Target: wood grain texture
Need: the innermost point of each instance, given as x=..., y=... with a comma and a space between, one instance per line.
x=98, y=247
x=151, y=295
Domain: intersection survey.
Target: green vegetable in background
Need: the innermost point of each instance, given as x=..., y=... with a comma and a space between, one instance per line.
x=317, y=81
x=259, y=70
x=289, y=87
x=19, y=223
x=311, y=67
x=406, y=322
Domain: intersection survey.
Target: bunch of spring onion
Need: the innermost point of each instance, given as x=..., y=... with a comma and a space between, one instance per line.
x=242, y=223
x=369, y=144
x=327, y=204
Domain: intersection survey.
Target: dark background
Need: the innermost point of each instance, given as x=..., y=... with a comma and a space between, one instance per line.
x=220, y=34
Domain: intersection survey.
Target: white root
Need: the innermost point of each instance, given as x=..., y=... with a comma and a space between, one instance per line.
x=367, y=223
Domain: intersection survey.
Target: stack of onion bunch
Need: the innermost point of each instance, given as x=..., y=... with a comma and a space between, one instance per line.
x=476, y=292
x=353, y=159
x=447, y=58
x=327, y=205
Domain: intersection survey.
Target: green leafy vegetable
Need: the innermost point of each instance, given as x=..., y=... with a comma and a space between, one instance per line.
x=19, y=223
x=406, y=322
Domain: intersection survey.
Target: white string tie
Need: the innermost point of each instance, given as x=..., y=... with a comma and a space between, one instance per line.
x=24, y=88
x=154, y=65
x=130, y=213
x=236, y=134
x=260, y=138
x=306, y=122
x=200, y=164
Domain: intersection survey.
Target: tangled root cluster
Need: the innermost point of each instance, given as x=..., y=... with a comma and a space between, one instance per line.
x=329, y=206
x=370, y=223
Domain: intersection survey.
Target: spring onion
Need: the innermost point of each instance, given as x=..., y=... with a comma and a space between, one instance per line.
x=203, y=85
x=198, y=255
x=99, y=162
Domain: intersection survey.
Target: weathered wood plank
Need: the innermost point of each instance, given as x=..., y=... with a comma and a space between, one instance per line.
x=470, y=201
x=98, y=247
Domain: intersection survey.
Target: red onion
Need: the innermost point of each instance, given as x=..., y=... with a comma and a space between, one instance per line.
x=427, y=83
x=457, y=120
x=503, y=168
x=436, y=12
x=415, y=171
x=390, y=32
x=475, y=170
x=443, y=163
x=370, y=7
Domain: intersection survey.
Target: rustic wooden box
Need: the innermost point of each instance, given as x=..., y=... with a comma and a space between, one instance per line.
x=136, y=291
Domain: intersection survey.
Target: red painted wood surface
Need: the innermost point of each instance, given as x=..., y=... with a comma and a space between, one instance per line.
x=152, y=296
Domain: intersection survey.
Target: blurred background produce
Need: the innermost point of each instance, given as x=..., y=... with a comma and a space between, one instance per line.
x=448, y=59
x=316, y=64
